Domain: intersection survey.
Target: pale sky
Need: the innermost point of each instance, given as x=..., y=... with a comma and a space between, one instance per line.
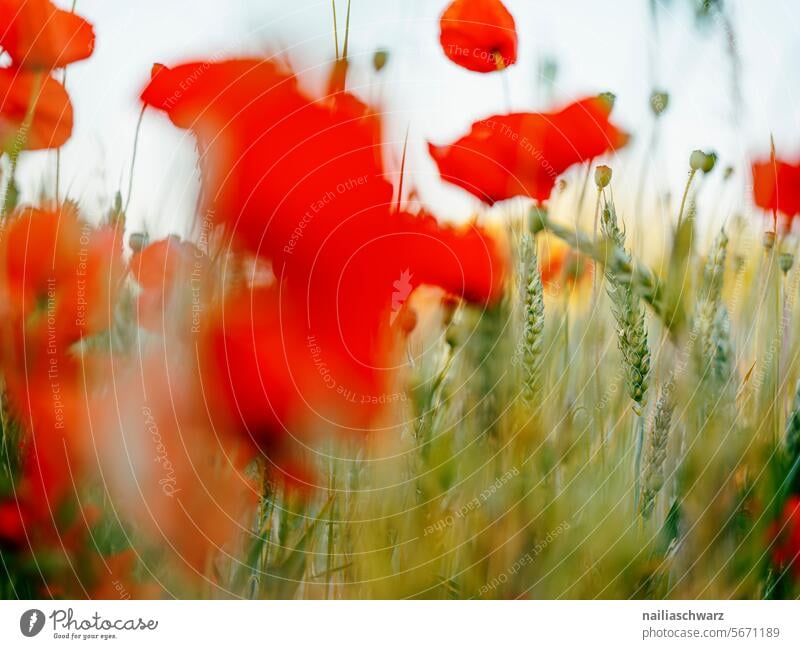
x=598, y=46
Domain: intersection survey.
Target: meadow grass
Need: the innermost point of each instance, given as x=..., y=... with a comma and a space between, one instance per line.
x=631, y=433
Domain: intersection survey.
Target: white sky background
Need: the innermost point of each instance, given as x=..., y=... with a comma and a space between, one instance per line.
x=606, y=45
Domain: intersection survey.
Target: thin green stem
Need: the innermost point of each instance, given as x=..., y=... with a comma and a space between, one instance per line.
x=335, y=30
x=685, y=195
x=346, y=33
x=133, y=160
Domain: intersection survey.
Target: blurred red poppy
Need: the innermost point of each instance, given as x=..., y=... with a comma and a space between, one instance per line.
x=50, y=122
x=479, y=35
x=276, y=166
x=522, y=154
x=300, y=182
x=785, y=534
x=776, y=186
x=170, y=274
x=166, y=463
x=114, y=579
x=58, y=276
x=37, y=34
x=57, y=281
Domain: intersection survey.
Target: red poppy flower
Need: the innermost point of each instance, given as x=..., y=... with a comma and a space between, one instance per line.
x=276, y=165
x=57, y=281
x=170, y=274
x=776, y=186
x=58, y=276
x=37, y=34
x=45, y=397
x=320, y=349
x=166, y=463
x=522, y=154
x=479, y=35
x=785, y=534
x=114, y=579
x=51, y=122
x=299, y=182
x=560, y=264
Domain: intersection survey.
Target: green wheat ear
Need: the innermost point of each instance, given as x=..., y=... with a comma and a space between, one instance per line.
x=629, y=314
x=653, y=468
x=532, y=298
x=708, y=326
x=713, y=349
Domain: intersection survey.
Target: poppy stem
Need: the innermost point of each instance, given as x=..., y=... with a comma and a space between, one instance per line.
x=331, y=526
x=685, y=195
x=501, y=66
x=335, y=30
x=402, y=170
x=133, y=160
x=346, y=32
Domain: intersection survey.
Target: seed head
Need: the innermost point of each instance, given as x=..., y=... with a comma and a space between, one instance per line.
x=701, y=161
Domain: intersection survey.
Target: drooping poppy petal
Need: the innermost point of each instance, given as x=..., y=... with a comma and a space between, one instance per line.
x=23, y=93
x=522, y=154
x=479, y=35
x=37, y=34
x=776, y=186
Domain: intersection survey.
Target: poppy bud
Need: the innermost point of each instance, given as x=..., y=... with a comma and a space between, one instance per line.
x=769, y=240
x=700, y=161
x=602, y=176
x=380, y=59
x=537, y=220
x=609, y=98
x=659, y=100
x=785, y=261
x=137, y=241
